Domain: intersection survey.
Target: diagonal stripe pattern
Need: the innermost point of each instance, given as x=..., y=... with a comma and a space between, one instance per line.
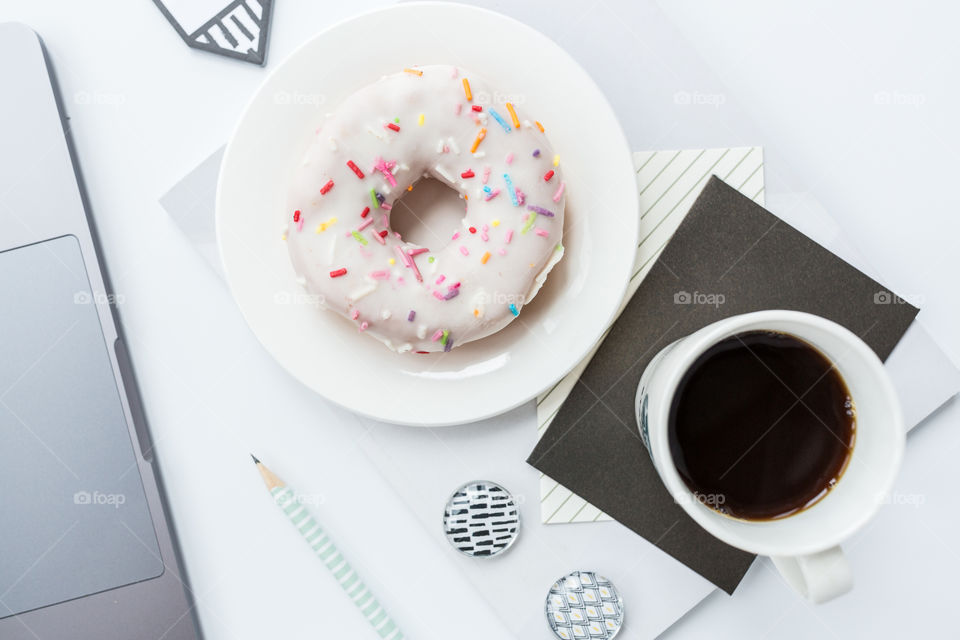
x=328, y=553
x=669, y=183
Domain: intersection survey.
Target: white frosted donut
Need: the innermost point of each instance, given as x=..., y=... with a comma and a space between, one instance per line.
x=426, y=122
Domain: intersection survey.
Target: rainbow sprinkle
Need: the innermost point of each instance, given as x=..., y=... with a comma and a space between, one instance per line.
x=466, y=90
x=415, y=72
x=385, y=167
x=541, y=210
x=411, y=315
x=499, y=119
x=436, y=336
x=559, y=193
x=510, y=190
x=359, y=238
x=541, y=232
x=336, y=273
x=513, y=115
x=464, y=250
x=420, y=120
x=416, y=270
x=486, y=256
x=323, y=226
x=355, y=169
x=326, y=188
x=514, y=310
x=530, y=221
x=480, y=136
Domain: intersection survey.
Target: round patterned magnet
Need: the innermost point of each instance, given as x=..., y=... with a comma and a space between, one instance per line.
x=584, y=605
x=481, y=519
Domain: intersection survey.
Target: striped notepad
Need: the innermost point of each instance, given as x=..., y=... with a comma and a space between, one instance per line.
x=669, y=182
x=237, y=29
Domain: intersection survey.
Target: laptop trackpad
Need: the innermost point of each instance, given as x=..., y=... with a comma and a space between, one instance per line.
x=73, y=516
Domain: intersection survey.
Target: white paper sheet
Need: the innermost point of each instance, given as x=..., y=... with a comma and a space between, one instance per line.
x=425, y=465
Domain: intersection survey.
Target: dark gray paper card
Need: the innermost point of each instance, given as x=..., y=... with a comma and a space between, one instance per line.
x=729, y=256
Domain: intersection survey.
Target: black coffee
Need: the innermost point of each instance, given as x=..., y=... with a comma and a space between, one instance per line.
x=761, y=426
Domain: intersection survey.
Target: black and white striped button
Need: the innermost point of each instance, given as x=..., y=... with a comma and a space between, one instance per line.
x=481, y=519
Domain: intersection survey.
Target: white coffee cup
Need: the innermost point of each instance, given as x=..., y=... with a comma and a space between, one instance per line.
x=804, y=546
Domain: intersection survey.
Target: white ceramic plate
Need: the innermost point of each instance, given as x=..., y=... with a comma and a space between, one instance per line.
x=482, y=378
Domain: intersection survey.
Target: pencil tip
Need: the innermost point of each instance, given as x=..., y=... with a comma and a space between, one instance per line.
x=255, y=460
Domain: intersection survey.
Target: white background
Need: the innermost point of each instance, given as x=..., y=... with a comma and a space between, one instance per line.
x=856, y=105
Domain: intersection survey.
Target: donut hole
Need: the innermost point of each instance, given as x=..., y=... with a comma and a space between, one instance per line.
x=428, y=214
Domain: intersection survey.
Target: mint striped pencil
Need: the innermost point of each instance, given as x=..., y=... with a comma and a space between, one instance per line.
x=328, y=553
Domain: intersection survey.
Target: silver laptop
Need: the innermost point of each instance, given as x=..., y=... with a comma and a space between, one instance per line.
x=86, y=548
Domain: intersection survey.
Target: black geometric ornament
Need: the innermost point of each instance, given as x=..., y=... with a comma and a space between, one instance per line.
x=238, y=30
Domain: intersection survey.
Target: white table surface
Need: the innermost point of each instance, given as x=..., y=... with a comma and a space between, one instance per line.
x=856, y=106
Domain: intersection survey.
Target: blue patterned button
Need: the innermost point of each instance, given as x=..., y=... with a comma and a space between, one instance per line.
x=584, y=606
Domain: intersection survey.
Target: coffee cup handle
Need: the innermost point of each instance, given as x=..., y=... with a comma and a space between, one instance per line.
x=819, y=577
